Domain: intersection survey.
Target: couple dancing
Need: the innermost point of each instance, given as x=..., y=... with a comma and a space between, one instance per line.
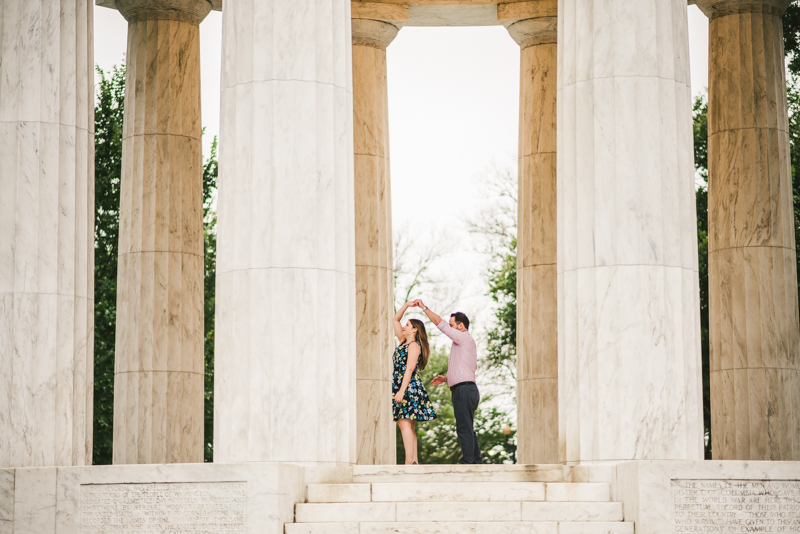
x=410, y=402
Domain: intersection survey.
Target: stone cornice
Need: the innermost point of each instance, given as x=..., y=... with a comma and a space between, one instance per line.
x=216, y=5
x=393, y=13
x=527, y=10
x=719, y=8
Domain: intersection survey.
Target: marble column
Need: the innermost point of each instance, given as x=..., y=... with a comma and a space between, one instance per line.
x=537, y=319
x=374, y=268
x=158, y=377
x=46, y=232
x=753, y=308
x=629, y=376
x=285, y=353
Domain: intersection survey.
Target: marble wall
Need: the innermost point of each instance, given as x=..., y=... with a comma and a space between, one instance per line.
x=46, y=232
x=646, y=490
x=158, y=377
x=537, y=297
x=629, y=376
x=754, y=326
x=285, y=375
x=53, y=500
x=375, y=338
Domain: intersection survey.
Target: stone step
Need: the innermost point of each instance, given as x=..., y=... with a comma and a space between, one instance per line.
x=458, y=473
x=572, y=511
x=458, y=491
x=332, y=493
x=457, y=511
x=509, y=527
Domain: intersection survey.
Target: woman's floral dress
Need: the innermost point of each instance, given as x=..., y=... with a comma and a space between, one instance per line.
x=416, y=404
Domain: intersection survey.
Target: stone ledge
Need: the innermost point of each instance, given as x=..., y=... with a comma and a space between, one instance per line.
x=216, y=5
x=47, y=500
x=646, y=490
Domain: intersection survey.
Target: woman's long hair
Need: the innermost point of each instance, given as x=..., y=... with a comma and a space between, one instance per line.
x=422, y=337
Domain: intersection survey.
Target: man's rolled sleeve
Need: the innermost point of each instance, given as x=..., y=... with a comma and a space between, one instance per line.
x=449, y=331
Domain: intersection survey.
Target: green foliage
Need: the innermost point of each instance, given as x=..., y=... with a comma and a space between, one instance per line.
x=108, y=115
x=791, y=36
x=700, y=115
x=501, y=350
x=793, y=98
x=437, y=442
x=210, y=172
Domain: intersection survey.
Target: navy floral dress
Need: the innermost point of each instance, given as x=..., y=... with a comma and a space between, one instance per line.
x=416, y=404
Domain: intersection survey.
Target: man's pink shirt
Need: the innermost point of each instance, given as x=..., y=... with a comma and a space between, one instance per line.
x=463, y=355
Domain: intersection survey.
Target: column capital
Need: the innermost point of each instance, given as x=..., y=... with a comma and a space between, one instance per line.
x=529, y=32
x=375, y=33
x=719, y=8
x=187, y=10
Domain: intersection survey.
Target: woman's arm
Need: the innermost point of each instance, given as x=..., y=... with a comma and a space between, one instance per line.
x=398, y=328
x=411, y=364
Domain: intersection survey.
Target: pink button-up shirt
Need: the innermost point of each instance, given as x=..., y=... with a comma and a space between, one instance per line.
x=463, y=355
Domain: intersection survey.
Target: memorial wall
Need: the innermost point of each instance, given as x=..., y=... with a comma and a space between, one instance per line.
x=736, y=506
x=197, y=508
x=255, y=498
x=710, y=497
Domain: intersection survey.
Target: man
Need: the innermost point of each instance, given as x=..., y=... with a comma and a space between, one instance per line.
x=461, y=378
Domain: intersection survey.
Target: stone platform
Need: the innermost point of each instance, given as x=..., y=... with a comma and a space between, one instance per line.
x=653, y=497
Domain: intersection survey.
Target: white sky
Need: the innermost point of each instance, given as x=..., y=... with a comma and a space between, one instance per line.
x=453, y=110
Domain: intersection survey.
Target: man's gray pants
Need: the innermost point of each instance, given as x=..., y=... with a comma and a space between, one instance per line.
x=466, y=397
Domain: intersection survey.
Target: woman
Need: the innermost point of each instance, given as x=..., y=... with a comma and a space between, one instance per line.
x=410, y=402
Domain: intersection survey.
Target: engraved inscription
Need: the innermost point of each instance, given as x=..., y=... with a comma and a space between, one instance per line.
x=191, y=508
x=736, y=506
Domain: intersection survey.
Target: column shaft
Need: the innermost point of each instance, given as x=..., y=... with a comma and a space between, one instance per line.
x=46, y=232
x=285, y=357
x=373, y=234
x=537, y=296
x=158, y=380
x=754, y=328
x=629, y=377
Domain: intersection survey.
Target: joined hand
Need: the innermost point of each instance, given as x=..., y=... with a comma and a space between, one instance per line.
x=437, y=380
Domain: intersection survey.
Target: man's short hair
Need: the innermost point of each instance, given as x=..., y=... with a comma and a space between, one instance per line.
x=461, y=318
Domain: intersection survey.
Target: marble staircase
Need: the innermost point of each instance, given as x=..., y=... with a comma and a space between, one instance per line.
x=447, y=499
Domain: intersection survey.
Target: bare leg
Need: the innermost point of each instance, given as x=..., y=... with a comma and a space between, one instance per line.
x=414, y=430
x=409, y=439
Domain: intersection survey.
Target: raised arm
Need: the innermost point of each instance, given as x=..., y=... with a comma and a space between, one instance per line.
x=444, y=327
x=435, y=319
x=398, y=328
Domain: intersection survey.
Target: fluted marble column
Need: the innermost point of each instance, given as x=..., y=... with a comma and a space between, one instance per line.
x=537, y=298
x=46, y=232
x=629, y=377
x=374, y=268
x=158, y=378
x=754, y=329
x=285, y=355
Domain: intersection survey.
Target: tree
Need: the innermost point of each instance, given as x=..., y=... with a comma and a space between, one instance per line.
x=496, y=225
x=791, y=37
x=210, y=173
x=108, y=114
x=700, y=116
